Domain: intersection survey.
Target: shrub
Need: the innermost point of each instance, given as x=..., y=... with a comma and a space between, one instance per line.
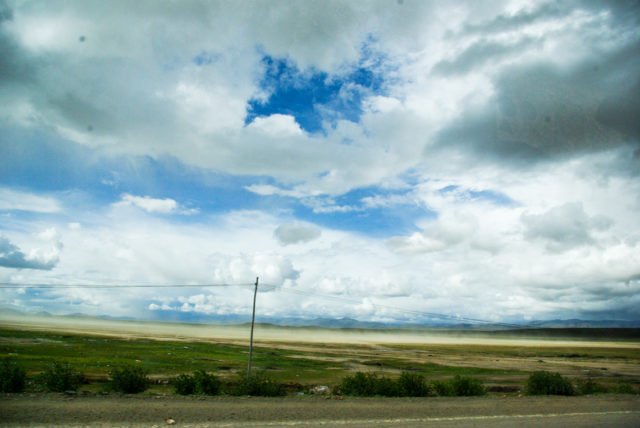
x=129, y=380
x=443, y=389
x=624, y=388
x=362, y=384
x=408, y=385
x=61, y=377
x=547, y=383
x=368, y=385
x=258, y=384
x=198, y=383
x=12, y=377
x=206, y=384
x=412, y=385
x=589, y=386
x=184, y=384
x=464, y=386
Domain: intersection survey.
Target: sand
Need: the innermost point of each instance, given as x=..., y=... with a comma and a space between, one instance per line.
x=274, y=334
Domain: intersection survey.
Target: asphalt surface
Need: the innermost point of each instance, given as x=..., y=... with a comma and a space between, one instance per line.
x=53, y=410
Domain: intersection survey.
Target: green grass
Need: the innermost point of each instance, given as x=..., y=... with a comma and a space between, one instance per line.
x=97, y=356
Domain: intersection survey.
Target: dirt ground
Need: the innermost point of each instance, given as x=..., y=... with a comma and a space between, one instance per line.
x=60, y=410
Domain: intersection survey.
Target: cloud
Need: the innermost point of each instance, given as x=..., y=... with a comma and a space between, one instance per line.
x=296, y=233
x=277, y=125
x=546, y=105
x=481, y=153
x=564, y=226
x=153, y=205
x=11, y=200
x=12, y=257
x=525, y=17
x=481, y=53
x=270, y=190
x=438, y=235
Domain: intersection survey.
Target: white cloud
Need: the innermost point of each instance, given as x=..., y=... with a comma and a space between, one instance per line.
x=276, y=125
x=153, y=205
x=24, y=201
x=269, y=190
x=564, y=226
x=36, y=258
x=505, y=121
x=296, y=233
x=438, y=235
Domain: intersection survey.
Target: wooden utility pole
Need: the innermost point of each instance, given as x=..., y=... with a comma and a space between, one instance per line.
x=253, y=321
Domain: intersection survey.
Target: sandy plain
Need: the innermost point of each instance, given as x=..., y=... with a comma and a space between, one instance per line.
x=275, y=334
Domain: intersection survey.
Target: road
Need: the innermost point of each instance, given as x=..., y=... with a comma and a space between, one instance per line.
x=52, y=410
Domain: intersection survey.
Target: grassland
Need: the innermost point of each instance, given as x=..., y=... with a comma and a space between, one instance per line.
x=502, y=365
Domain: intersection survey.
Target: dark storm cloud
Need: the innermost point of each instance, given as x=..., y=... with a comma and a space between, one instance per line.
x=12, y=257
x=504, y=22
x=540, y=112
x=481, y=53
x=14, y=64
x=611, y=299
x=620, y=108
x=43, y=81
x=6, y=14
x=82, y=113
x=624, y=13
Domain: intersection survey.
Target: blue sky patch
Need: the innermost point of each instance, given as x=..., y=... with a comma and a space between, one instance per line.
x=313, y=96
x=54, y=166
x=377, y=221
x=493, y=196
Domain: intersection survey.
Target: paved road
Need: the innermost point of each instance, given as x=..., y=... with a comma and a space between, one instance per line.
x=229, y=412
x=623, y=419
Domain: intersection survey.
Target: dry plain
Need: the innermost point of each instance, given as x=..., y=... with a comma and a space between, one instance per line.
x=304, y=357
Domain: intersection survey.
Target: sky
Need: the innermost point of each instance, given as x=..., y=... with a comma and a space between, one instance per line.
x=377, y=160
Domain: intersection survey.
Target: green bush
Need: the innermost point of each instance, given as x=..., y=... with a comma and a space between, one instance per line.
x=547, y=383
x=13, y=378
x=387, y=387
x=589, y=386
x=624, y=388
x=362, y=384
x=464, y=386
x=258, y=384
x=443, y=388
x=199, y=383
x=129, y=380
x=184, y=384
x=61, y=377
x=368, y=385
x=412, y=385
x=408, y=385
x=206, y=384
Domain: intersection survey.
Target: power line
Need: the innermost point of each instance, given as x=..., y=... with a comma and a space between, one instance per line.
x=7, y=285
x=265, y=288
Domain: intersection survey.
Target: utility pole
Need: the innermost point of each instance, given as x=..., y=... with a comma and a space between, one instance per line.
x=253, y=320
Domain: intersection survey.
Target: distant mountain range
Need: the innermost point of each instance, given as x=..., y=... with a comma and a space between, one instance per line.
x=349, y=323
